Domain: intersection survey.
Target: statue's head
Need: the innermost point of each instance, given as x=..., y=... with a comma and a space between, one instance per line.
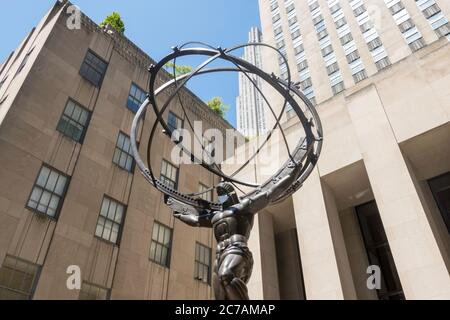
x=227, y=195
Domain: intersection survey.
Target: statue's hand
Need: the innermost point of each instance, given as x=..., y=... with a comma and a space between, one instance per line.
x=187, y=218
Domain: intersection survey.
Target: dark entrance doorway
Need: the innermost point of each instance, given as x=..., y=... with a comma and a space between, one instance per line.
x=378, y=251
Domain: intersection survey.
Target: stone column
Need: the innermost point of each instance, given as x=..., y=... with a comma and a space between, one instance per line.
x=419, y=263
x=263, y=283
x=326, y=271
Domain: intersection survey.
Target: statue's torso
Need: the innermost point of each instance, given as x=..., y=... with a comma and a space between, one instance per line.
x=228, y=223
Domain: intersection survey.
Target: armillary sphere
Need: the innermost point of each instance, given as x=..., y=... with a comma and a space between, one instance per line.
x=301, y=159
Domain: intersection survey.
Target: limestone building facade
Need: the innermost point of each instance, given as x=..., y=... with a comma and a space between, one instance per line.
x=70, y=196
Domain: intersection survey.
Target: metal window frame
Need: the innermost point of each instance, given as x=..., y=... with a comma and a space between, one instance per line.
x=85, y=127
x=169, y=247
x=62, y=197
x=90, y=51
x=35, y=278
x=177, y=175
x=121, y=224
x=133, y=97
x=108, y=290
x=198, y=262
x=129, y=154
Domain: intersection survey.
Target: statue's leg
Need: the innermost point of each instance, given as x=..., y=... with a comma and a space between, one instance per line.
x=231, y=271
x=219, y=290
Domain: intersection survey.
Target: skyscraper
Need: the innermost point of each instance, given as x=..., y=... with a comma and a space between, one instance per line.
x=378, y=199
x=250, y=113
x=332, y=45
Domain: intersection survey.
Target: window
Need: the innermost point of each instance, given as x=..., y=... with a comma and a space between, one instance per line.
x=299, y=49
x=48, y=191
x=202, y=267
x=396, y=7
x=91, y=291
x=338, y=87
x=273, y=6
x=361, y=9
x=335, y=8
x=305, y=84
x=292, y=20
x=443, y=30
x=207, y=195
x=383, y=63
x=317, y=19
x=277, y=31
x=375, y=43
x=24, y=61
x=280, y=44
x=339, y=23
x=275, y=18
x=161, y=244
x=416, y=45
x=135, y=98
x=3, y=99
x=322, y=34
x=346, y=39
x=359, y=76
x=122, y=154
x=295, y=34
x=332, y=68
x=174, y=122
x=313, y=6
x=405, y=26
x=378, y=251
x=327, y=50
x=3, y=81
x=366, y=26
x=74, y=121
x=93, y=69
x=302, y=65
x=352, y=56
x=169, y=174
x=290, y=7
x=18, y=279
x=110, y=220
x=431, y=10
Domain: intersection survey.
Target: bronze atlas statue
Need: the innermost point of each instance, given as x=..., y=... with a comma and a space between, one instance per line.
x=231, y=217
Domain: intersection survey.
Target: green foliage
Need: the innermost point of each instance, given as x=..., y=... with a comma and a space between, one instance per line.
x=179, y=69
x=115, y=21
x=216, y=104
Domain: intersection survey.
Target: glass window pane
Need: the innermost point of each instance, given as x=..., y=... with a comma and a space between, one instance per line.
x=43, y=175
x=100, y=224
x=166, y=241
x=152, y=250
x=76, y=114
x=107, y=230
x=60, y=185
x=155, y=231
x=43, y=203
x=112, y=210
x=119, y=214
x=34, y=198
x=120, y=140
x=164, y=255
x=161, y=234
x=84, y=117
x=158, y=253
x=114, y=233
x=105, y=206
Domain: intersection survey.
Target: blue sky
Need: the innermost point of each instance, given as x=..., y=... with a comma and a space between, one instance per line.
x=155, y=26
